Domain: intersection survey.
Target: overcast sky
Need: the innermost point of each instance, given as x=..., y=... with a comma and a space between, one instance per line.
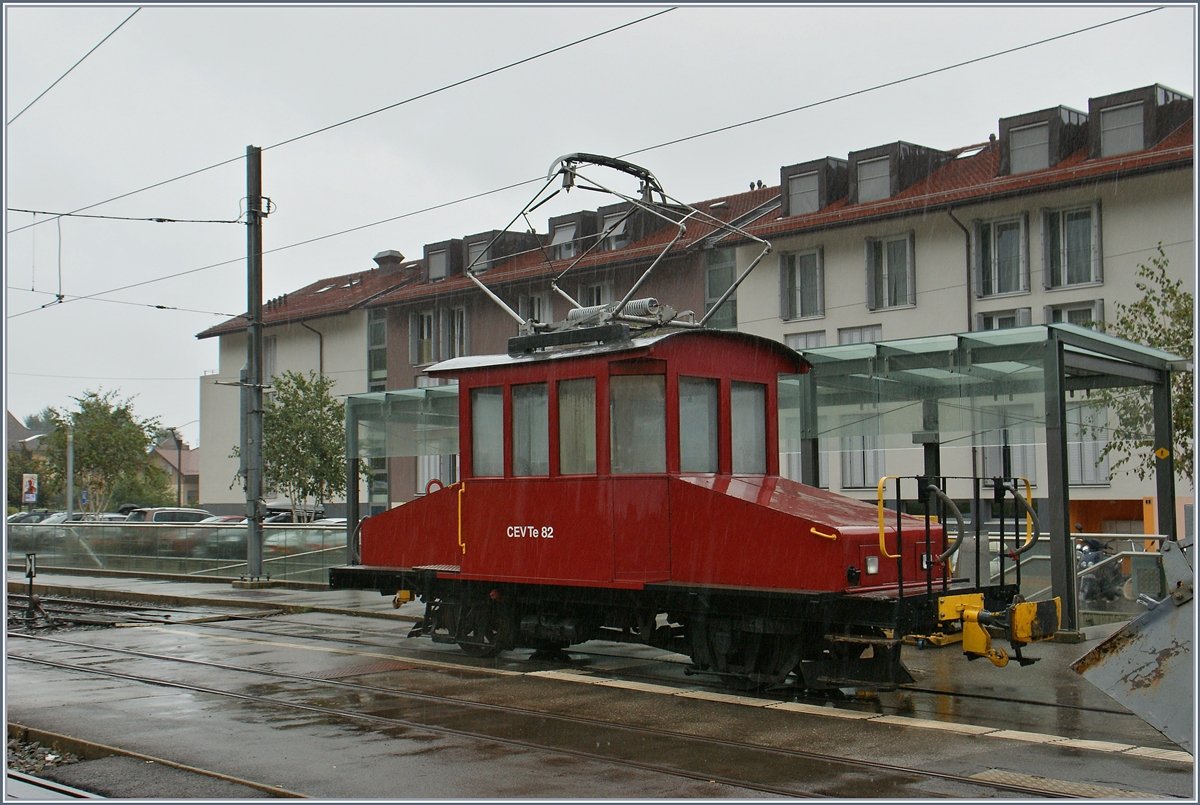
x=177, y=89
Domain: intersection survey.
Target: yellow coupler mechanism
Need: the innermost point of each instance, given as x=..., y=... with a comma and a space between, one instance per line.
x=1023, y=622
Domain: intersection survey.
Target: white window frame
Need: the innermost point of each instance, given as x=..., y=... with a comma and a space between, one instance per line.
x=270, y=365
x=1111, y=146
x=376, y=319
x=590, y=292
x=562, y=244
x=874, y=180
x=617, y=239
x=863, y=462
x=535, y=306
x=455, y=341
x=866, y=334
x=814, y=339
x=1051, y=278
x=422, y=330
x=439, y=265
x=1086, y=464
x=802, y=198
x=726, y=319
x=881, y=266
x=1062, y=313
x=1027, y=152
x=791, y=294
x=987, y=283
x=478, y=249
x=1021, y=439
x=1004, y=319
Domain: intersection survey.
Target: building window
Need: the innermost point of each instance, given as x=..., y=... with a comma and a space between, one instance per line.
x=803, y=287
x=1004, y=319
x=531, y=430
x=1071, y=247
x=639, y=423
x=1001, y=256
x=1012, y=433
x=376, y=349
x=577, y=426
x=874, y=179
x=534, y=307
x=437, y=265
x=595, y=294
x=862, y=462
x=867, y=334
x=562, y=245
x=890, y=276
x=1121, y=130
x=1084, y=314
x=803, y=341
x=454, y=333
x=720, y=268
x=477, y=261
x=1087, y=427
x=748, y=427
x=1029, y=148
x=698, y=402
x=487, y=432
x=616, y=238
x=802, y=194
x=423, y=338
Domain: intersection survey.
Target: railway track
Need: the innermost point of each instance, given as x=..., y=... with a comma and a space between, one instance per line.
x=242, y=622
x=453, y=710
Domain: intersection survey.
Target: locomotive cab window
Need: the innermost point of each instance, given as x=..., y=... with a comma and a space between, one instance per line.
x=748, y=427
x=698, y=423
x=639, y=424
x=577, y=426
x=487, y=431
x=530, y=430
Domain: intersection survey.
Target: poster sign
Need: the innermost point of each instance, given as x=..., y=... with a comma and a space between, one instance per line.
x=29, y=488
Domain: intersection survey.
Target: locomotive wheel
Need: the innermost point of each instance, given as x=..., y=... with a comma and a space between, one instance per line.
x=482, y=629
x=742, y=660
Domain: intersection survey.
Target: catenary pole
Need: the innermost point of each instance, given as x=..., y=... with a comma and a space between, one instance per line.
x=253, y=394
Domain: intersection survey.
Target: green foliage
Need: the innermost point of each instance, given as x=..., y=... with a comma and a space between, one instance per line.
x=304, y=440
x=40, y=422
x=1162, y=319
x=152, y=487
x=111, y=449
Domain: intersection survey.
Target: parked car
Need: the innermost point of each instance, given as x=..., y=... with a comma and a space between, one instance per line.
x=167, y=515
x=58, y=518
x=225, y=518
x=35, y=516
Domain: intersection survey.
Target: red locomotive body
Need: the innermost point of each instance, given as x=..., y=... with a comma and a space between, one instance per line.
x=607, y=486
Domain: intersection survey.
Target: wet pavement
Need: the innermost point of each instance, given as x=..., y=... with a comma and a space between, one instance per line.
x=965, y=718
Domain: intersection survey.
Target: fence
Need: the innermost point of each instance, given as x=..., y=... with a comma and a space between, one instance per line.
x=290, y=552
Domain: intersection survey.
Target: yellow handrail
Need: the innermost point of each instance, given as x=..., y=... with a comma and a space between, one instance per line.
x=1029, y=535
x=461, y=489
x=821, y=534
x=882, y=546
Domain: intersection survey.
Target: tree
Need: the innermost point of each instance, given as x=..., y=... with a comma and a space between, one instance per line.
x=304, y=441
x=40, y=422
x=1162, y=319
x=111, y=448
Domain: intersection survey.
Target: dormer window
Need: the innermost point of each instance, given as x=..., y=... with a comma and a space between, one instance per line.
x=476, y=257
x=1121, y=130
x=437, y=265
x=1029, y=148
x=617, y=239
x=803, y=196
x=562, y=245
x=874, y=179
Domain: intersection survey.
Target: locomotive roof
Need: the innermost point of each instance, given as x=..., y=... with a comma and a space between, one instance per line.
x=647, y=339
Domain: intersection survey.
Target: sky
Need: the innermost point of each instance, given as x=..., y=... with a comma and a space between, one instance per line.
x=180, y=88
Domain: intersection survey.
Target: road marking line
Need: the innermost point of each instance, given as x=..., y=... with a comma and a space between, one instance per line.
x=927, y=724
x=1099, y=746
x=817, y=710
x=1048, y=784
x=720, y=697
x=1160, y=754
x=1028, y=737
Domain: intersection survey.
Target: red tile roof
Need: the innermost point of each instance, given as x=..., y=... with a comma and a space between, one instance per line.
x=974, y=179
x=325, y=297
x=533, y=264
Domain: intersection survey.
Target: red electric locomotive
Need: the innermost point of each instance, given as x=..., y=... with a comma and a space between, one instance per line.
x=623, y=484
